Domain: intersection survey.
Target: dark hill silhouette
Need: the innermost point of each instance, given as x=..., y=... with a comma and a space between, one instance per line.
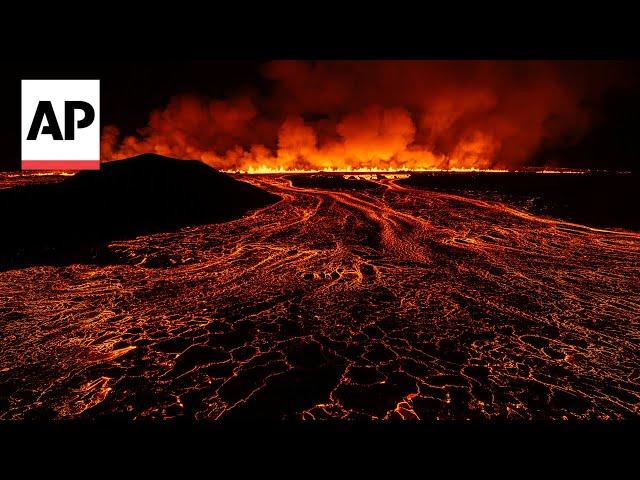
x=69, y=221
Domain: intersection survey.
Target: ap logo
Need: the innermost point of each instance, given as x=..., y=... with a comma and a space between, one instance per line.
x=60, y=124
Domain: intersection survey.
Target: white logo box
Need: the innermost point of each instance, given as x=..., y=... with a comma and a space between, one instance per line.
x=47, y=153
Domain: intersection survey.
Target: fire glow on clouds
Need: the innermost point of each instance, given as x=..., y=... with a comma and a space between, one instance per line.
x=379, y=115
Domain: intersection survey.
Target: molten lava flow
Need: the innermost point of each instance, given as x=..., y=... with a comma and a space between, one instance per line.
x=380, y=116
x=382, y=302
x=265, y=169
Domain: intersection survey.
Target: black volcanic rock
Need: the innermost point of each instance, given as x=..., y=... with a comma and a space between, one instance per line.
x=598, y=199
x=332, y=181
x=60, y=223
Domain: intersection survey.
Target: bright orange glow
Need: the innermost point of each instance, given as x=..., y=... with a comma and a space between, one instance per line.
x=377, y=116
x=265, y=170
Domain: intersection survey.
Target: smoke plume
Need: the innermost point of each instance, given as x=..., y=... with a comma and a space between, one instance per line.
x=381, y=114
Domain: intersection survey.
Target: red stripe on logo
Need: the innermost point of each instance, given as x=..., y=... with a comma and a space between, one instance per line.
x=60, y=164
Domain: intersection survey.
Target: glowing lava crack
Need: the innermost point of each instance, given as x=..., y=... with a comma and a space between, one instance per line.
x=384, y=302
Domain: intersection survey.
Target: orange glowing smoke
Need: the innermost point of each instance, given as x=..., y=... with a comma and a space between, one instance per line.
x=361, y=115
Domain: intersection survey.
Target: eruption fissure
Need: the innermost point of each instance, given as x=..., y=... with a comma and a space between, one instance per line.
x=379, y=116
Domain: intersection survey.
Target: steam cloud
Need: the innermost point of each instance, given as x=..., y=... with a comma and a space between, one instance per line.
x=381, y=114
